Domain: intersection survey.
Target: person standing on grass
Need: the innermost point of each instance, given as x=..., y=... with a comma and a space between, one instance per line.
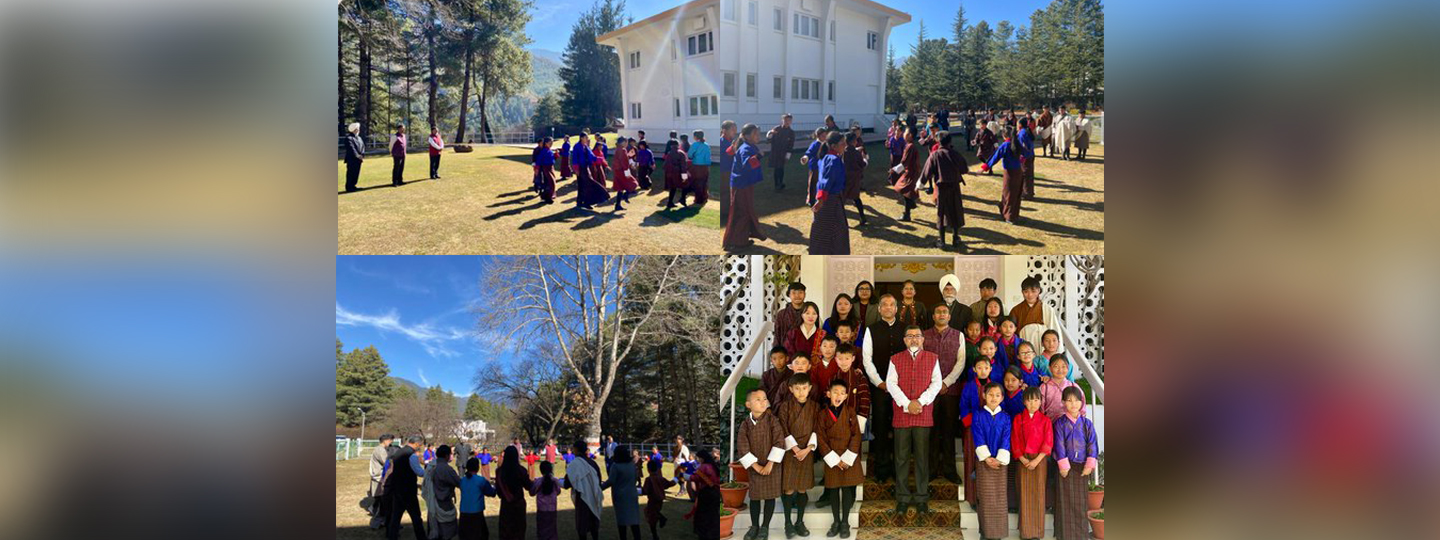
x=684, y=462
x=354, y=155
x=855, y=160
x=1011, y=154
x=397, y=156
x=829, y=231
x=601, y=151
x=588, y=190
x=1064, y=133
x=582, y=477
x=726, y=150
x=943, y=169
x=473, y=490
x=623, y=496
x=565, y=159
x=436, y=145
x=654, y=490
x=545, y=489
x=906, y=176
x=811, y=160
x=741, y=225
x=645, y=163
x=405, y=471
x=550, y=451
x=624, y=181
x=379, y=459
x=1026, y=138
x=705, y=484
x=676, y=173
x=782, y=141
x=439, y=492
x=544, y=160
x=512, y=483
x=1082, y=135
x=699, y=183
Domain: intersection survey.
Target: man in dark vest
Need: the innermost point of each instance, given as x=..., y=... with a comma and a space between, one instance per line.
x=401, y=486
x=782, y=141
x=354, y=155
x=882, y=340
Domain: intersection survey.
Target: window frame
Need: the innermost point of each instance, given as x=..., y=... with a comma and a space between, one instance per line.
x=729, y=83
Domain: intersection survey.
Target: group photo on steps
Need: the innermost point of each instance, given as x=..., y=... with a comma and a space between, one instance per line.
x=932, y=406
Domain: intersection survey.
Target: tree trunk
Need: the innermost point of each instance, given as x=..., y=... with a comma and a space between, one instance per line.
x=340, y=95
x=465, y=93
x=434, y=86
x=362, y=98
x=483, y=91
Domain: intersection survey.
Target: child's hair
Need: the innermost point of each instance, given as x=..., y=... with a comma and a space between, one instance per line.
x=780, y=349
x=794, y=286
x=1072, y=391
x=548, y=485
x=748, y=129
x=546, y=140
x=833, y=139
x=850, y=137
x=599, y=139
x=831, y=337
x=654, y=466
x=752, y=392
x=1004, y=319
x=1025, y=344
x=845, y=348
x=819, y=131
x=987, y=283
x=443, y=452
x=671, y=146
x=672, y=134
x=645, y=145
x=841, y=383
x=846, y=324
x=472, y=466
x=944, y=138
x=1014, y=371
x=994, y=385
x=684, y=137
x=1030, y=282
x=699, y=135
x=1049, y=333
x=801, y=354
x=642, y=133
x=1032, y=392
x=1059, y=357
x=726, y=125
x=799, y=379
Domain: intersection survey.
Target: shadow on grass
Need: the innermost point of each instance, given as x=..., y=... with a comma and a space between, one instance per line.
x=513, y=211
x=674, y=510
x=367, y=188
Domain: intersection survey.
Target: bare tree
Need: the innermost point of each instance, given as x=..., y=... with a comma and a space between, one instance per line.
x=593, y=310
x=540, y=382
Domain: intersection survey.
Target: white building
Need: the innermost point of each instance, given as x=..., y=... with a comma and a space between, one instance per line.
x=705, y=61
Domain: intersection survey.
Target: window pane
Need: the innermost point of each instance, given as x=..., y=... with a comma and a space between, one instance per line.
x=815, y=89
x=692, y=45
x=694, y=107
x=754, y=13
x=797, y=22
x=750, y=85
x=677, y=107
x=794, y=88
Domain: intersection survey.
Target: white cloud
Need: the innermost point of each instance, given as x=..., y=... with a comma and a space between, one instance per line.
x=423, y=380
x=433, y=339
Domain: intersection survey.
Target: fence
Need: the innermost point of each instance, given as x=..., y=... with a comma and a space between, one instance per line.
x=347, y=448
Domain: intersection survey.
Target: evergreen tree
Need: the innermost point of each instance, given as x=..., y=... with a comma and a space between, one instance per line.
x=361, y=380
x=591, y=73
x=547, y=114
x=893, y=101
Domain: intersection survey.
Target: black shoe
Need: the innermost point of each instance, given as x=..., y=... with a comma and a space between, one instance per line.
x=899, y=508
x=845, y=530
x=823, y=502
x=753, y=533
x=834, y=530
x=789, y=531
x=801, y=530
x=906, y=217
x=923, y=508
x=764, y=534
x=940, y=243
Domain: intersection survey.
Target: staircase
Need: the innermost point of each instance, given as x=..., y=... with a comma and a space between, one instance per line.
x=949, y=517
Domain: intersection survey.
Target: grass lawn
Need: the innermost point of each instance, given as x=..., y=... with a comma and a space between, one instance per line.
x=352, y=480
x=1067, y=215
x=483, y=205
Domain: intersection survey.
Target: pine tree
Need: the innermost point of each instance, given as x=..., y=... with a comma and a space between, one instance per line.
x=893, y=101
x=361, y=380
x=591, y=73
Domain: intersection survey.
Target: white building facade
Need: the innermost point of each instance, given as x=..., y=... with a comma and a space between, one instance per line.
x=705, y=61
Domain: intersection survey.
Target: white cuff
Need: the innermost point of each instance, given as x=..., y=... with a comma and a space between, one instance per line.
x=748, y=459
x=1003, y=456
x=790, y=442
x=861, y=419
x=831, y=459
x=776, y=455
x=982, y=452
x=812, y=441
x=849, y=457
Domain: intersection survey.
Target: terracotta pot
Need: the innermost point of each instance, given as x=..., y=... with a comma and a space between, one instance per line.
x=1098, y=525
x=741, y=473
x=1095, y=500
x=734, y=497
x=727, y=524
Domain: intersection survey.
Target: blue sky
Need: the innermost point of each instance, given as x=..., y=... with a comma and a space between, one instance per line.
x=550, y=22
x=417, y=311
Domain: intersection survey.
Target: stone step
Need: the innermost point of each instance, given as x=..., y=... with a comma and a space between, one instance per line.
x=940, y=489
x=908, y=533
x=942, y=514
x=818, y=520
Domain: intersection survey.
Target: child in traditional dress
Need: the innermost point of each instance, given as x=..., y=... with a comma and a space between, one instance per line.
x=473, y=490
x=990, y=318
x=705, y=484
x=972, y=398
x=1074, y=447
x=676, y=173
x=985, y=350
x=741, y=225
x=829, y=231
x=685, y=143
x=1007, y=347
x=1014, y=387
x=807, y=336
x=906, y=176
x=512, y=483
x=645, y=161
x=1030, y=373
x=530, y=460
x=1052, y=391
x=569, y=456
x=1032, y=440
x=624, y=181
x=544, y=160
x=984, y=143
x=798, y=415
x=856, y=159
x=545, y=489
x=839, y=446
x=991, y=435
x=699, y=183
x=972, y=349
x=811, y=161
x=775, y=379
x=1050, y=343
x=654, y=489
x=761, y=445
x=485, y=459
x=895, y=142
x=1013, y=184
x=565, y=158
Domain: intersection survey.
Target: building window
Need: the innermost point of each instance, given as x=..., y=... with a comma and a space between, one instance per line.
x=729, y=84
x=634, y=59
x=750, y=85
x=754, y=13
x=704, y=106
x=700, y=43
x=779, y=19
x=832, y=92
x=806, y=25
x=832, y=30
x=729, y=10
x=634, y=110
x=677, y=107
x=714, y=106
x=805, y=89
x=672, y=50
x=872, y=40
x=779, y=87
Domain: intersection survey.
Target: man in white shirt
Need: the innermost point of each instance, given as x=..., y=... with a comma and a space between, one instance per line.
x=913, y=383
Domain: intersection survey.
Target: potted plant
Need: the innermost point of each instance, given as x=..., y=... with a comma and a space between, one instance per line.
x=727, y=522
x=740, y=472
x=1097, y=523
x=733, y=493
x=1096, y=497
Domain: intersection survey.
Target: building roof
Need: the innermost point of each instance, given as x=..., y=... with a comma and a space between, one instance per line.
x=697, y=5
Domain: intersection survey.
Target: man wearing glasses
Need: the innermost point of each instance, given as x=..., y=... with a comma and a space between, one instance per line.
x=913, y=383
